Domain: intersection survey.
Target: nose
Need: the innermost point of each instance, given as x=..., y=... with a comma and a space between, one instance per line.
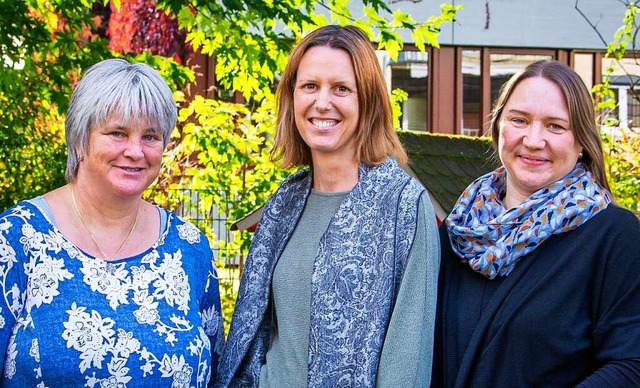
x=134, y=148
x=534, y=137
x=323, y=100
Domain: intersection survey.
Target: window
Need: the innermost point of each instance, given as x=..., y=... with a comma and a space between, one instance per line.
x=471, y=93
x=625, y=83
x=410, y=73
x=583, y=65
x=483, y=72
x=503, y=66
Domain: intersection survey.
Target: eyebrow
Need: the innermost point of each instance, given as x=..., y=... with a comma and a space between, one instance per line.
x=516, y=111
x=125, y=127
x=336, y=81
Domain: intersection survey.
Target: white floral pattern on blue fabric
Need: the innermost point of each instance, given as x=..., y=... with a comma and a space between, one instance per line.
x=154, y=316
x=189, y=232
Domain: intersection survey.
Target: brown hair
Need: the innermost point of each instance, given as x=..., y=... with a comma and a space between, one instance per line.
x=580, y=106
x=375, y=137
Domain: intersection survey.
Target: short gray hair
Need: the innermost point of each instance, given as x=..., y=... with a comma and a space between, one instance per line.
x=115, y=86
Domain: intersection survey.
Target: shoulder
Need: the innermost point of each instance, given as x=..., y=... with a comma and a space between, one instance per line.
x=294, y=182
x=23, y=225
x=292, y=191
x=186, y=232
x=616, y=230
x=23, y=212
x=414, y=192
x=19, y=209
x=606, y=243
x=390, y=176
x=619, y=214
x=296, y=179
x=614, y=220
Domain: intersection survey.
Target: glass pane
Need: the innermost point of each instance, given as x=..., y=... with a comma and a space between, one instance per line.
x=583, y=65
x=633, y=109
x=503, y=66
x=409, y=73
x=471, y=93
x=609, y=119
x=625, y=81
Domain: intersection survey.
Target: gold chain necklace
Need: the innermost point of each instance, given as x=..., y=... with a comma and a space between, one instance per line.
x=106, y=257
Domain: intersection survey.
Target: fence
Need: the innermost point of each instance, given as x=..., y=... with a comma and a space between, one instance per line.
x=188, y=204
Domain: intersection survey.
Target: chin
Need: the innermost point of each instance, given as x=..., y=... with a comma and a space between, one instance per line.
x=130, y=191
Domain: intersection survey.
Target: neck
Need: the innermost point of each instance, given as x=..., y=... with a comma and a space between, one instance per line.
x=335, y=177
x=511, y=200
x=109, y=229
x=99, y=206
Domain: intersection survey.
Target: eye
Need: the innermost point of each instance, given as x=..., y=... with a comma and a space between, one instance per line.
x=518, y=121
x=308, y=87
x=117, y=134
x=152, y=137
x=341, y=91
x=556, y=128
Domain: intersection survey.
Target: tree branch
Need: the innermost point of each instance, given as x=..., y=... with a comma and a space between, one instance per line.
x=594, y=26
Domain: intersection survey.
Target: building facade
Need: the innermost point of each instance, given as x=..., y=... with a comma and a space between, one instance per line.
x=451, y=89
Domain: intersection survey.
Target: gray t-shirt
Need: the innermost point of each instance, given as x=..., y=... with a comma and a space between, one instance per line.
x=291, y=286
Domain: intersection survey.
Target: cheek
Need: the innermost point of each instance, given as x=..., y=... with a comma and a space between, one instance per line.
x=356, y=112
x=508, y=138
x=298, y=110
x=353, y=107
x=503, y=140
x=302, y=101
x=570, y=148
x=301, y=105
x=154, y=153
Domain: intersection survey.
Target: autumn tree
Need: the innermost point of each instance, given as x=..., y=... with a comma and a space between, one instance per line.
x=137, y=26
x=220, y=148
x=43, y=47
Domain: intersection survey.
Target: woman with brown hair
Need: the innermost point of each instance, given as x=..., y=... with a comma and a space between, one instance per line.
x=539, y=284
x=339, y=286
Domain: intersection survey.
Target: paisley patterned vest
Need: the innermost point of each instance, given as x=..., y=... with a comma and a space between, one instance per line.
x=356, y=274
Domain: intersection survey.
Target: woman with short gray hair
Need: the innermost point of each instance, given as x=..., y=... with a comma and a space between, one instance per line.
x=100, y=287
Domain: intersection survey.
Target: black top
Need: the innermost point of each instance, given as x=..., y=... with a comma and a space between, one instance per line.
x=569, y=313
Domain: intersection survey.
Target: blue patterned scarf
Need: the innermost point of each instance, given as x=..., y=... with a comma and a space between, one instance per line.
x=492, y=240
x=355, y=279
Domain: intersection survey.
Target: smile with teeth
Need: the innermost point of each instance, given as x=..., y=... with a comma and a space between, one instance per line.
x=131, y=169
x=324, y=123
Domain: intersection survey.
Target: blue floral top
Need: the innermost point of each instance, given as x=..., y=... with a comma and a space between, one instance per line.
x=69, y=319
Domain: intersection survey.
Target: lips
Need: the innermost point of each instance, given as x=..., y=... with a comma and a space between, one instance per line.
x=533, y=160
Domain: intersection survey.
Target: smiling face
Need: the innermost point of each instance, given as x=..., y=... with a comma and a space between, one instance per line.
x=536, y=142
x=124, y=157
x=326, y=103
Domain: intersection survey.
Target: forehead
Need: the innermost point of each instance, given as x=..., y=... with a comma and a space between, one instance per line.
x=120, y=120
x=324, y=61
x=538, y=94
